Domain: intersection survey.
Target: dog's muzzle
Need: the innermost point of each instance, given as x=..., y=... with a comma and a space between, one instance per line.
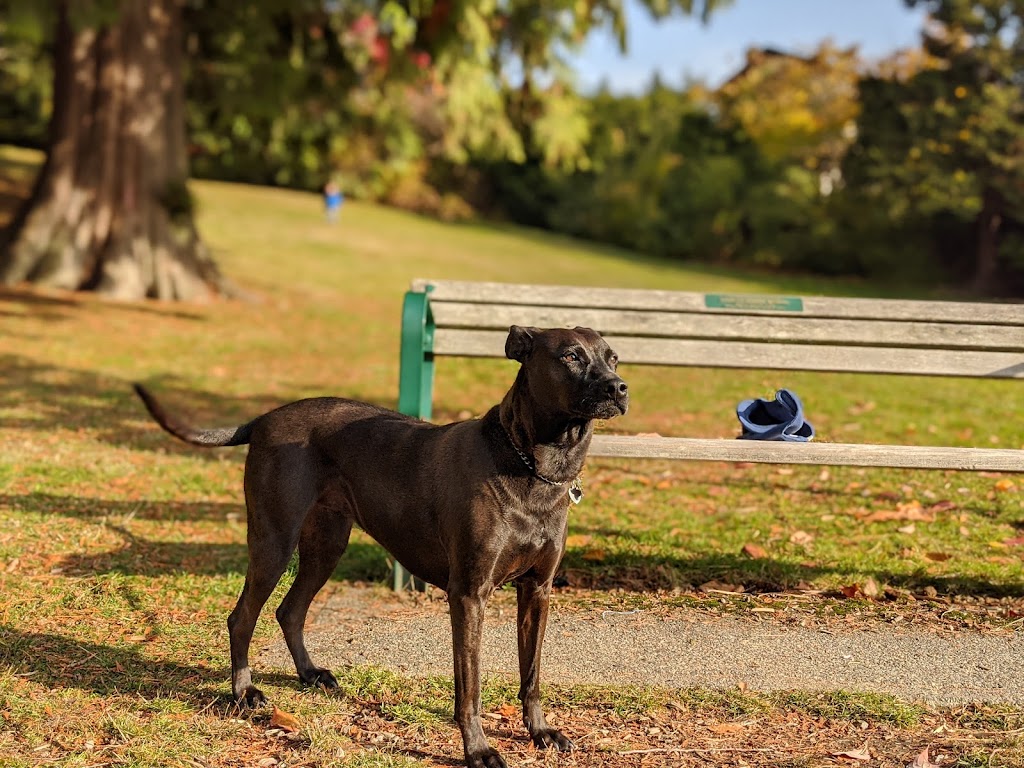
x=611, y=398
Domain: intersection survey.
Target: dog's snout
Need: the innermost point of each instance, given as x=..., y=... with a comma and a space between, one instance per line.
x=616, y=387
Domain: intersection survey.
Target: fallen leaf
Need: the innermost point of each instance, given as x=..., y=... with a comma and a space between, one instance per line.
x=870, y=588
x=942, y=506
x=594, y=554
x=938, y=557
x=1014, y=542
x=923, y=761
x=508, y=711
x=907, y=528
x=801, y=538
x=911, y=511
x=1006, y=484
x=720, y=586
x=726, y=728
x=285, y=721
x=854, y=754
x=755, y=551
x=850, y=591
x=577, y=540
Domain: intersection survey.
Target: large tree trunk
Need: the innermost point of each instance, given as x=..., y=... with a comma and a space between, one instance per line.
x=110, y=211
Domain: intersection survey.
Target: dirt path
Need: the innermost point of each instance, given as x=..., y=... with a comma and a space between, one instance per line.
x=680, y=649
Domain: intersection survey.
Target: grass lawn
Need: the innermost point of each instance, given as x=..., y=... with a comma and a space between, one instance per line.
x=122, y=551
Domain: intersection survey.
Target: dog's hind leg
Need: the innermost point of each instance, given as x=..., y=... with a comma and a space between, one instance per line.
x=266, y=564
x=322, y=542
x=276, y=512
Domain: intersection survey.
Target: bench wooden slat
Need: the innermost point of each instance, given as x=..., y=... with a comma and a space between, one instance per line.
x=735, y=327
x=835, y=454
x=729, y=354
x=684, y=301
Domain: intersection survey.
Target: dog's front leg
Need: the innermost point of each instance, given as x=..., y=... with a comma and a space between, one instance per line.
x=467, y=612
x=533, y=598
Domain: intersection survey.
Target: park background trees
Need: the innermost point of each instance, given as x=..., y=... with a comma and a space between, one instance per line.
x=819, y=161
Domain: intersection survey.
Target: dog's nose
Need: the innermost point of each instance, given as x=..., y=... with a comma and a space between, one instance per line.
x=616, y=388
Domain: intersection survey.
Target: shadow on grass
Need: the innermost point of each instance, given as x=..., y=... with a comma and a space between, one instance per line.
x=637, y=573
x=59, y=662
x=366, y=561
x=56, y=661
x=70, y=306
x=139, y=556
x=79, y=507
x=44, y=398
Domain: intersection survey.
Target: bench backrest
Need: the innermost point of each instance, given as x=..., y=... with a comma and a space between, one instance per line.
x=940, y=338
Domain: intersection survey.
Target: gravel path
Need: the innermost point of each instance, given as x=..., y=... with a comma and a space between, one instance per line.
x=359, y=626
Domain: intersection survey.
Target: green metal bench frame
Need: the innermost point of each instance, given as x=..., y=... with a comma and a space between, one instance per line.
x=415, y=385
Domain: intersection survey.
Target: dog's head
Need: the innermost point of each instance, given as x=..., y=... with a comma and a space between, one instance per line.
x=574, y=370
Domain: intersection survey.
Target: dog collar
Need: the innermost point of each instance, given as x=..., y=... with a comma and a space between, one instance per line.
x=575, y=487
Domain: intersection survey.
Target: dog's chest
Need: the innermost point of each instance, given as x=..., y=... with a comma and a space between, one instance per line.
x=533, y=540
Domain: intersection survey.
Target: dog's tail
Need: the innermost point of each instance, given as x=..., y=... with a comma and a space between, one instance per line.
x=207, y=437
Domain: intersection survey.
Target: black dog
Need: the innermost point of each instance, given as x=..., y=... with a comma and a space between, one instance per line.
x=467, y=506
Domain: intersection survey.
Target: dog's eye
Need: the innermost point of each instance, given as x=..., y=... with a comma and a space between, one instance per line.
x=570, y=357
x=613, y=360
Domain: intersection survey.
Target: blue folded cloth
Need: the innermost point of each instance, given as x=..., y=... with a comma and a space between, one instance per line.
x=779, y=419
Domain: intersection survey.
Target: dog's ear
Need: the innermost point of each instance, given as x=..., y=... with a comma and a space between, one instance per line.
x=519, y=342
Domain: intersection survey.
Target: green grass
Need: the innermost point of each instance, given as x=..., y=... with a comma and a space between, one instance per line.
x=122, y=551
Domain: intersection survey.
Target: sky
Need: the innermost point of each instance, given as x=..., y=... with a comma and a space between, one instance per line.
x=679, y=47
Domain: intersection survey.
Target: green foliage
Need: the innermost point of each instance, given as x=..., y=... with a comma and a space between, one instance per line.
x=945, y=145
x=912, y=171
x=25, y=72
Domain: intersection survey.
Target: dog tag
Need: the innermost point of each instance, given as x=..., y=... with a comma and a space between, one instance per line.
x=576, y=491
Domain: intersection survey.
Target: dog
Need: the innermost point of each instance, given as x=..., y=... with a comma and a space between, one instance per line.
x=468, y=507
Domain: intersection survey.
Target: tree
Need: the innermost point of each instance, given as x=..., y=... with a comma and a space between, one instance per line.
x=946, y=144
x=111, y=211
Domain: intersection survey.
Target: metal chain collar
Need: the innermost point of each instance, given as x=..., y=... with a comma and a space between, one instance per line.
x=575, y=487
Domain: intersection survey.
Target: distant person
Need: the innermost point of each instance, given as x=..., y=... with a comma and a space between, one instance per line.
x=333, y=200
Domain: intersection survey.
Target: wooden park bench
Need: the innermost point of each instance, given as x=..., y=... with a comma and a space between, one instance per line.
x=448, y=318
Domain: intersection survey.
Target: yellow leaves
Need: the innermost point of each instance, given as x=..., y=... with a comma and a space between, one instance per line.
x=960, y=92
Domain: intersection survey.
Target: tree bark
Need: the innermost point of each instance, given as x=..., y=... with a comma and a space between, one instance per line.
x=110, y=211
x=986, y=264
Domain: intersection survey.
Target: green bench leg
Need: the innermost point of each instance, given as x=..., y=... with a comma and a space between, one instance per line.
x=415, y=387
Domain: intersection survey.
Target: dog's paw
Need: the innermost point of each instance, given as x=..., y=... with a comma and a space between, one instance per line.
x=488, y=758
x=550, y=737
x=252, y=697
x=319, y=678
